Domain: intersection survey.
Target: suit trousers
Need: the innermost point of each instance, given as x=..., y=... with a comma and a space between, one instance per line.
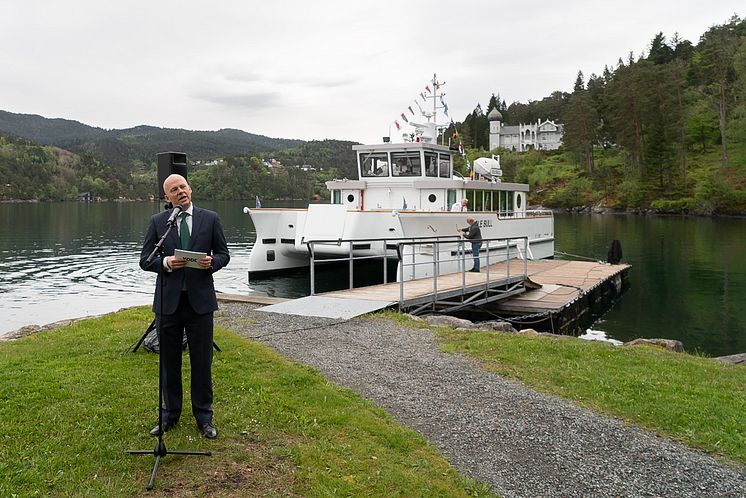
x=199, y=332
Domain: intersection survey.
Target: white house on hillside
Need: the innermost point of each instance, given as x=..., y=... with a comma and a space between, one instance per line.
x=546, y=135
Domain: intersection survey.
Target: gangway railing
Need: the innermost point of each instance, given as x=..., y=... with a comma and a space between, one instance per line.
x=491, y=289
x=389, y=248
x=411, y=256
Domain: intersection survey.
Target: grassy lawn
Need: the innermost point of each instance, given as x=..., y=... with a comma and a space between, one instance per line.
x=695, y=400
x=72, y=400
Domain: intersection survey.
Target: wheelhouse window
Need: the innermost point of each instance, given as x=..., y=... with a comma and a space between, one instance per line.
x=444, y=165
x=406, y=164
x=431, y=164
x=506, y=203
x=336, y=197
x=374, y=164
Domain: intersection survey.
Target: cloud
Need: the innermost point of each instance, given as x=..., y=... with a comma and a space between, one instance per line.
x=243, y=77
x=251, y=101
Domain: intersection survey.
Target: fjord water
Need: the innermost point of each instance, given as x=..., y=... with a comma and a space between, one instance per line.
x=67, y=260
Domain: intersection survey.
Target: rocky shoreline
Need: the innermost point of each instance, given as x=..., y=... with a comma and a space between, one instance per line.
x=638, y=211
x=438, y=320
x=500, y=326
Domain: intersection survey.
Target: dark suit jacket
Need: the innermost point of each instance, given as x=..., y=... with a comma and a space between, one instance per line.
x=207, y=237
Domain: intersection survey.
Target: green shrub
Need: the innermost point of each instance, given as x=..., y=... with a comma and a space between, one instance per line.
x=685, y=205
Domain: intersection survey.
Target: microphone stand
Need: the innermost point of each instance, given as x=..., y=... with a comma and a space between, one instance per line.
x=160, y=447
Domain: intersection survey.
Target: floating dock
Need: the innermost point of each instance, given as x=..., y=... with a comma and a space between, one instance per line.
x=558, y=292
x=569, y=291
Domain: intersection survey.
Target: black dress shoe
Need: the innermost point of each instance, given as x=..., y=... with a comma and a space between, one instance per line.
x=474, y=270
x=166, y=427
x=209, y=430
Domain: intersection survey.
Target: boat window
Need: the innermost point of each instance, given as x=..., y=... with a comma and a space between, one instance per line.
x=451, y=197
x=374, y=164
x=479, y=200
x=444, y=164
x=506, y=203
x=488, y=201
x=336, y=197
x=518, y=200
x=406, y=164
x=431, y=164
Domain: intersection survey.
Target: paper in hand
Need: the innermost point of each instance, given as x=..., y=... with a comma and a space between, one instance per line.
x=190, y=257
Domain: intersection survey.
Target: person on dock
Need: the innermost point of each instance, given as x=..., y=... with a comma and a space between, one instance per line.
x=189, y=301
x=460, y=206
x=474, y=234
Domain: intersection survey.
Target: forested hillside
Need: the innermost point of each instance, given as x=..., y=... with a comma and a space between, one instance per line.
x=663, y=130
x=139, y=144
x=30, y=171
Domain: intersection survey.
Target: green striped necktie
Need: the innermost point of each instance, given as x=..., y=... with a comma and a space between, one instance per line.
x=184, y=236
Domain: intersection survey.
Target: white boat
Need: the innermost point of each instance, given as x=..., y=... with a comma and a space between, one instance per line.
x=404, y=192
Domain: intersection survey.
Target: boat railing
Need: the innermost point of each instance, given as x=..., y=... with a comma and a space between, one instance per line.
x=412, y=253
x=532, y=213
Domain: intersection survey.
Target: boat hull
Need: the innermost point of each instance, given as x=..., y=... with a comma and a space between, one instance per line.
x=283, y=236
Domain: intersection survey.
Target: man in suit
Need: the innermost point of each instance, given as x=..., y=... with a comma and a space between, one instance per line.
x=188, y=301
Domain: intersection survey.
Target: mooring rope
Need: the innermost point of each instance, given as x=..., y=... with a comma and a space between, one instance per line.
x=576, y=256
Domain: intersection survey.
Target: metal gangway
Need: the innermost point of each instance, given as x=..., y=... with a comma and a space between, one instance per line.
x=431, y=271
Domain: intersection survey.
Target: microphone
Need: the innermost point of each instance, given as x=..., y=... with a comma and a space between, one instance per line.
x=174, y=214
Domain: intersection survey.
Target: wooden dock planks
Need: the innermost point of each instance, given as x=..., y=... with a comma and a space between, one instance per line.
x=562, y=282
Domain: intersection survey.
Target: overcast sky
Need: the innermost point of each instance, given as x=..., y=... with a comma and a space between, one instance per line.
x=312, y=69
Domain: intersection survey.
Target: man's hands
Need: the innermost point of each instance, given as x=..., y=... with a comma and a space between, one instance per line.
x=177, y=263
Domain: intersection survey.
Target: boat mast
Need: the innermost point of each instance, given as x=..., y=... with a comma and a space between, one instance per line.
x=436, y=86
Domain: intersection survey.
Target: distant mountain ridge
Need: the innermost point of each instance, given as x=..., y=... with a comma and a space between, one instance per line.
x=120, y=147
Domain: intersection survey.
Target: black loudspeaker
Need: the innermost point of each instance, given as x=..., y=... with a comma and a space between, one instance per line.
x=168, y=164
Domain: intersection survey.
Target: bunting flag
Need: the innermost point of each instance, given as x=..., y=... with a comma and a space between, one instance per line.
x=427, y=87
x=404, y=118
x=445, y=108
x=398, y=127
x=410, y=109
x=423, y=97
x=461, y=148
x=258, y=202
x=404, y=203
x=419, y=106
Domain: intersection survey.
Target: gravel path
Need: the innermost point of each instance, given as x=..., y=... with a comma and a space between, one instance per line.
x=495, y=430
